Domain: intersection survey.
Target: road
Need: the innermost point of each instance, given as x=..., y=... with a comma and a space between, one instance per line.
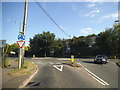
x=108, y=72
x=89, y=75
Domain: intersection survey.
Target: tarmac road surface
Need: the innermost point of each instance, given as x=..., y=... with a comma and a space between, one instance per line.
x=90, y=75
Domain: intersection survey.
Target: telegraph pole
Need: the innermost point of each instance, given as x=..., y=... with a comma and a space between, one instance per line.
x=24, y=28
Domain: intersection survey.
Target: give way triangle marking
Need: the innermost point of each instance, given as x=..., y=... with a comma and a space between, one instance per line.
x=58, y=67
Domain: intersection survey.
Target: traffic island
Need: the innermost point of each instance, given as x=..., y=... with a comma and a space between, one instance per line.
x=75, y=65
x=118, y=63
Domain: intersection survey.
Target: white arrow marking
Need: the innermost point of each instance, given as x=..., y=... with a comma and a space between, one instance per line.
x=57, y=67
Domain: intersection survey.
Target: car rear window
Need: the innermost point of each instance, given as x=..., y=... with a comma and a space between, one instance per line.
x=100, y=56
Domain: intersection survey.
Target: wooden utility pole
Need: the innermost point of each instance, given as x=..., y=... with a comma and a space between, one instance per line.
x=24, y=28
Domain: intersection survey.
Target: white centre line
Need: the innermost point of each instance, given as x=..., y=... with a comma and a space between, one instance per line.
x=97, y=78
x=98, y=81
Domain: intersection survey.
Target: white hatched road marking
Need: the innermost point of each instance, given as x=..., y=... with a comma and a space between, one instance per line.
x=97, y=78
x=64, y=59
x=44, y=63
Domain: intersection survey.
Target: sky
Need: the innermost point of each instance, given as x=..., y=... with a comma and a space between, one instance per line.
x=75, y=18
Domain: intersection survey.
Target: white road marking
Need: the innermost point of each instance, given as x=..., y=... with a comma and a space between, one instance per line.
x=35, y=58
x=56, y=66
x=97, y=78
x=63, y=59
x=44, y=63
x=98, y=81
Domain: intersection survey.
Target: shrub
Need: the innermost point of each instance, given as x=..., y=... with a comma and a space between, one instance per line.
x=7, y=62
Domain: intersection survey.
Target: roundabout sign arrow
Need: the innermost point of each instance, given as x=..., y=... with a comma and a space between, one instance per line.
x=21, y=37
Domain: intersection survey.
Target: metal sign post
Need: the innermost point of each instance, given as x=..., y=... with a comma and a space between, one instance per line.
x=3, y=58
x=20, y=43
x=2, y=46
x=20, y=57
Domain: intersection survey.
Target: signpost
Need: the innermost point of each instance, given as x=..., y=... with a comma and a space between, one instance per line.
x=2, y=43
x=20, y=43
x=2, y=47
x=21, y=37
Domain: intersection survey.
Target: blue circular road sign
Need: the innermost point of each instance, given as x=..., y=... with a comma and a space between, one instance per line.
x=21, y=37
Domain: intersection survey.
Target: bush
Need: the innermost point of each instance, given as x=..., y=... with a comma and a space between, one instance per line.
x=7, y=62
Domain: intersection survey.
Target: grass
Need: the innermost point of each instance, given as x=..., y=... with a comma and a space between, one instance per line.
x=16, y=60
x=27, y=69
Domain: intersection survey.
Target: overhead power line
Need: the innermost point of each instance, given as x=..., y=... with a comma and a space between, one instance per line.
x=51, y=18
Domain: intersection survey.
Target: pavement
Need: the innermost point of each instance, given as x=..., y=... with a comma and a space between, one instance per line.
x=12, y=81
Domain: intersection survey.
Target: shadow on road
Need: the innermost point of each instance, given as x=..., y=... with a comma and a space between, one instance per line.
x=88, y=62
x=117, y=64
x=91, y=62
x=33, y=84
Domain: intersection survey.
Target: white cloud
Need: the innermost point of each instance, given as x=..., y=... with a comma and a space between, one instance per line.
x=92, y=13
x=114, y=15
x=91, y=5
x=86, y=30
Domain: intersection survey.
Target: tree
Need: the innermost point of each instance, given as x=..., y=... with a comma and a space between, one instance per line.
x=42, y=44
x=59, y=47
x=108, y=41
x=116, y=38
x=90, y=40
x=13, y=47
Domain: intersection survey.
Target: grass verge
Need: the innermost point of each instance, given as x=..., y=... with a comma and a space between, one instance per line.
x=27, y=69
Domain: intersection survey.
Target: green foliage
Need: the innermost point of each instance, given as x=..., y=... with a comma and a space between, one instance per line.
x=46, y=43
x=42, y=43
x=27, y=48
x=7, y=62
x=79, y=44
x=105, y=42
x=108, y=41
x=14, y=47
